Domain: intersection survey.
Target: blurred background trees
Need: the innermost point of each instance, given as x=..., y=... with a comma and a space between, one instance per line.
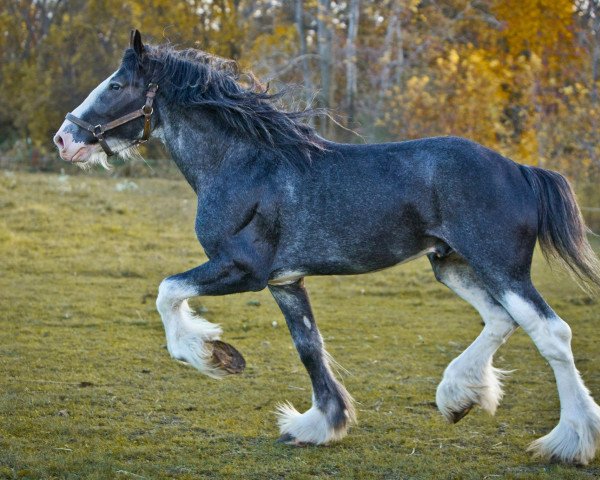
x=519, y=76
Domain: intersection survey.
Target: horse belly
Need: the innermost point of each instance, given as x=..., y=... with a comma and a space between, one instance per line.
x=350, y=250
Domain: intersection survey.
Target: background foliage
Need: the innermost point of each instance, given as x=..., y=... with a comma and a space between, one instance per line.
x=520, y=76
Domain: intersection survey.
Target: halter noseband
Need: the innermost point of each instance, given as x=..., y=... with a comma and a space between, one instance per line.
x=99, y=130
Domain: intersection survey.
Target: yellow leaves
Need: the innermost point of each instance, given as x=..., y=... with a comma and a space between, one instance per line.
x=538, y=27
x=581, y=89
x=462, y=93
x=576, y=92
x=527, y=149
x=413, y=5
x=279, y=43
x=417, y=82
x=535, y=61
x=453, y=57
x=543, y=110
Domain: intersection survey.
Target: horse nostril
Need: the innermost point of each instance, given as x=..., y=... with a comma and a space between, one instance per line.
x=58, y=141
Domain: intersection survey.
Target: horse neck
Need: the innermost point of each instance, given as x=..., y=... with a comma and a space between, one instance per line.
x=197, y=143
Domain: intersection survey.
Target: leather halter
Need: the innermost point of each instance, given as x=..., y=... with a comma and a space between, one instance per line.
x=99, y=130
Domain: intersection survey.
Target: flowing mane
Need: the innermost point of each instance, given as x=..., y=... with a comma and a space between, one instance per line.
x=193, y=78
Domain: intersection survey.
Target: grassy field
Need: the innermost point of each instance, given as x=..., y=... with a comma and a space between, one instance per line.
x=87, y=388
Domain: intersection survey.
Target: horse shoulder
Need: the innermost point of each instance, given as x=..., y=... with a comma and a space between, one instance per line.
x=237, y=214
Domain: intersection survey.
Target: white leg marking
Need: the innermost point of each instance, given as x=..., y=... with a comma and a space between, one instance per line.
x=307, y=322
x=313, y=426
x=186, y=333
x=471, y=379
x=576, y=438
x=316, y=426
x=308, y=427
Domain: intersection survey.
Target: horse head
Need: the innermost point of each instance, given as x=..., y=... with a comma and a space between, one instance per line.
x=115, y=116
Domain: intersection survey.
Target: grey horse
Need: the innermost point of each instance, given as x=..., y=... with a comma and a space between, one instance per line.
x=276, y=203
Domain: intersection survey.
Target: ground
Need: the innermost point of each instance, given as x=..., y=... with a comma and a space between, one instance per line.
x=87, y=388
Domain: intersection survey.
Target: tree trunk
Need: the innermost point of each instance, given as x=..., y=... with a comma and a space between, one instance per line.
x=393, y=35
x=388, y=52
x=306, y=73
x=351, y=84
x=325, y=41
x=399, y=62
x=595, y=40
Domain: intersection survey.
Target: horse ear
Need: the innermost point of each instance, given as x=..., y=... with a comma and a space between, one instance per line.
x=135, y=42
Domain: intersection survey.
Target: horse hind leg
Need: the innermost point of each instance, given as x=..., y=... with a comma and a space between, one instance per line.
x=576, y=438
x=332, y=411
x=470, y=379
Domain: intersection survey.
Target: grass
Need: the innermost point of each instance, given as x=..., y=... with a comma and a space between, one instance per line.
x=87, y=389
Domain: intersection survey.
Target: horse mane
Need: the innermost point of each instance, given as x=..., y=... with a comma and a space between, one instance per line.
x=193, y=78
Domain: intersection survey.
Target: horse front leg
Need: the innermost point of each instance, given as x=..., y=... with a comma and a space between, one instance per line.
x=332, y=410
x=190, y=338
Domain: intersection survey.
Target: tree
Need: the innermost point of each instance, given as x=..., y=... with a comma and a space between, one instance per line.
x=306, y=73
x=351, y=81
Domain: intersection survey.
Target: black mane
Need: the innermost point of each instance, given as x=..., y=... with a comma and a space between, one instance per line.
x=193, y=78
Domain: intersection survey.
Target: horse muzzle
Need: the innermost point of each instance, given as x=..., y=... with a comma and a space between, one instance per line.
x=71, y=151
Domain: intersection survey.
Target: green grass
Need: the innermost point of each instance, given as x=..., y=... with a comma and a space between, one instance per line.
x=87, y=389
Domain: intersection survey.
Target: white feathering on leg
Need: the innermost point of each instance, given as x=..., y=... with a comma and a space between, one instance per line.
x=187, y=334
x=457, y=393
x=190, y=336
x=575, y=440
x=308, y=427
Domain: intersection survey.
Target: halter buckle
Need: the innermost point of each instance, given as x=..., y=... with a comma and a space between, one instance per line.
x=98, y=130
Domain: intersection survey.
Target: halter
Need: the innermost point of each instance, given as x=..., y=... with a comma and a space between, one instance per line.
x=99, y=130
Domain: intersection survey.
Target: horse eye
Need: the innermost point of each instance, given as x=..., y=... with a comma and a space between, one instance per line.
x=114, y=86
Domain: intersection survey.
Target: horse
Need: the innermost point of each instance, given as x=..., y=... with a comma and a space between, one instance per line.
x=277, y=202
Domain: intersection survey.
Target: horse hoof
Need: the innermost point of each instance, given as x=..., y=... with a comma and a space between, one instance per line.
x=286, y=438
x=459, y=415
x=226, y=358
x=289, y=439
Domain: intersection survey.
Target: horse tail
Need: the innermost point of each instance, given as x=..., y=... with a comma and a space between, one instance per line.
x=561, y=228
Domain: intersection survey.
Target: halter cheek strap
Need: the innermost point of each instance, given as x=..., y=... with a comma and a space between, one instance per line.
x=99, y=130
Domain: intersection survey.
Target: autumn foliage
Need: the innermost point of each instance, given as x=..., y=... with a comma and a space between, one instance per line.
x=520, y=76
